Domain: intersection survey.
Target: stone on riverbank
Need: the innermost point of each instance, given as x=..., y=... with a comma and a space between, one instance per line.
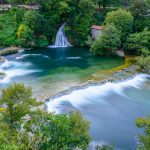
x=9, y=51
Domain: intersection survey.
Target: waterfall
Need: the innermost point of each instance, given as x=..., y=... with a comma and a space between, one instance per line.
x=61, y=39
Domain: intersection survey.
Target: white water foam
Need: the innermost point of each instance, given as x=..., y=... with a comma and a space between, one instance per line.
x=14, y=69
x=32, y=55
x=73, y=58
x=89, y=95
x=61, y=39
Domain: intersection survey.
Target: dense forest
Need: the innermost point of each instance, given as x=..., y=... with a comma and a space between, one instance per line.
x=126, y=27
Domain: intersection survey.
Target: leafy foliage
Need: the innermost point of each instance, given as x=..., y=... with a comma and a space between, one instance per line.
x=141, y=23
x=143, y=64
x=139, y=43
x=17, y=100
x=139, y=7
x=108, y=42
x=24, y=35
x=60, y=131
x=23, y=127
x=144, y=139
x=122, y=20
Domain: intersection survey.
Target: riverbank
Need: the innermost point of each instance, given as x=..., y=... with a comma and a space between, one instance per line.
x=52, y=74
x=117, y=76
x=67, y=85
x=9, y=51
x=127, y=70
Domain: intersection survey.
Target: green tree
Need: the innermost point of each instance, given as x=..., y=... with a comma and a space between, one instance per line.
x=17, y=15
x=139, y=43
x=140, y=23
x=143, y=64
x=24, y=36
x=144, y=139
x=38, y=25
x=108, y=43
x=139, y=7
x=107, y=3
x=82, y=21
x=59, y=131
x=25, y=127
x=17, y=99
x=122, y=20
x=77, y=14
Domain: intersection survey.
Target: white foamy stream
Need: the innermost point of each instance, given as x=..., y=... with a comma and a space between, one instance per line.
x=32, y=55
x=89, y=95
x=14, y=69
x=61, y=39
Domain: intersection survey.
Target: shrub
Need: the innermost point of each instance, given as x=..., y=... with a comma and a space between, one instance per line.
x=122, y=20
x=24, y=35
x=42, y=42
x=143, y=64
x=144, y=139
x=108, y=42
x=138, y=43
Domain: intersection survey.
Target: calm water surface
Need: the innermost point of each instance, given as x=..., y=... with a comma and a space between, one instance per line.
x=49, y=71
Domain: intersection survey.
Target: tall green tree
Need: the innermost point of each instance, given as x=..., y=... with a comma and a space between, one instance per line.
x=59, y=131
x=17, y=100
x=108, y=43
x=122, y=20
x=139, y=7
x=25, y=127
x=139, y=43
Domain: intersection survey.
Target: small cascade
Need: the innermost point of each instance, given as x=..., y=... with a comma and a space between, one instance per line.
x=61, y=39
x=14, y=69
x=89, y=95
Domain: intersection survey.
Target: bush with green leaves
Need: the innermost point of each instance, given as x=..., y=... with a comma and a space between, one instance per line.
x=139, y=43
x=23, y=126
x=143, y=64
x=7, y=31
x=139, y=7
x=24, y=36
x=108, y=43
x=141, y=23
x=122, y=20
x=144, y=139
x=58, y=131
x=17, y=99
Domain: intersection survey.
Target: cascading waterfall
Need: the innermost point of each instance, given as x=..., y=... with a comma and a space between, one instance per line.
x=111, y=108
x=61, y=39
x=85, y=96
x=14, y=69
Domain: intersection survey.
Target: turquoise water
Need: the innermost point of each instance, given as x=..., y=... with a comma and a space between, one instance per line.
x=111, y=108
x=49, y=71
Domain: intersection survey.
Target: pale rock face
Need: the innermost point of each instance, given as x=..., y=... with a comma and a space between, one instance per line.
x=96, y=33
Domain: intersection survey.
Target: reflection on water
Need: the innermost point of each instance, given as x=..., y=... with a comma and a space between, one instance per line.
x=111, y=108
